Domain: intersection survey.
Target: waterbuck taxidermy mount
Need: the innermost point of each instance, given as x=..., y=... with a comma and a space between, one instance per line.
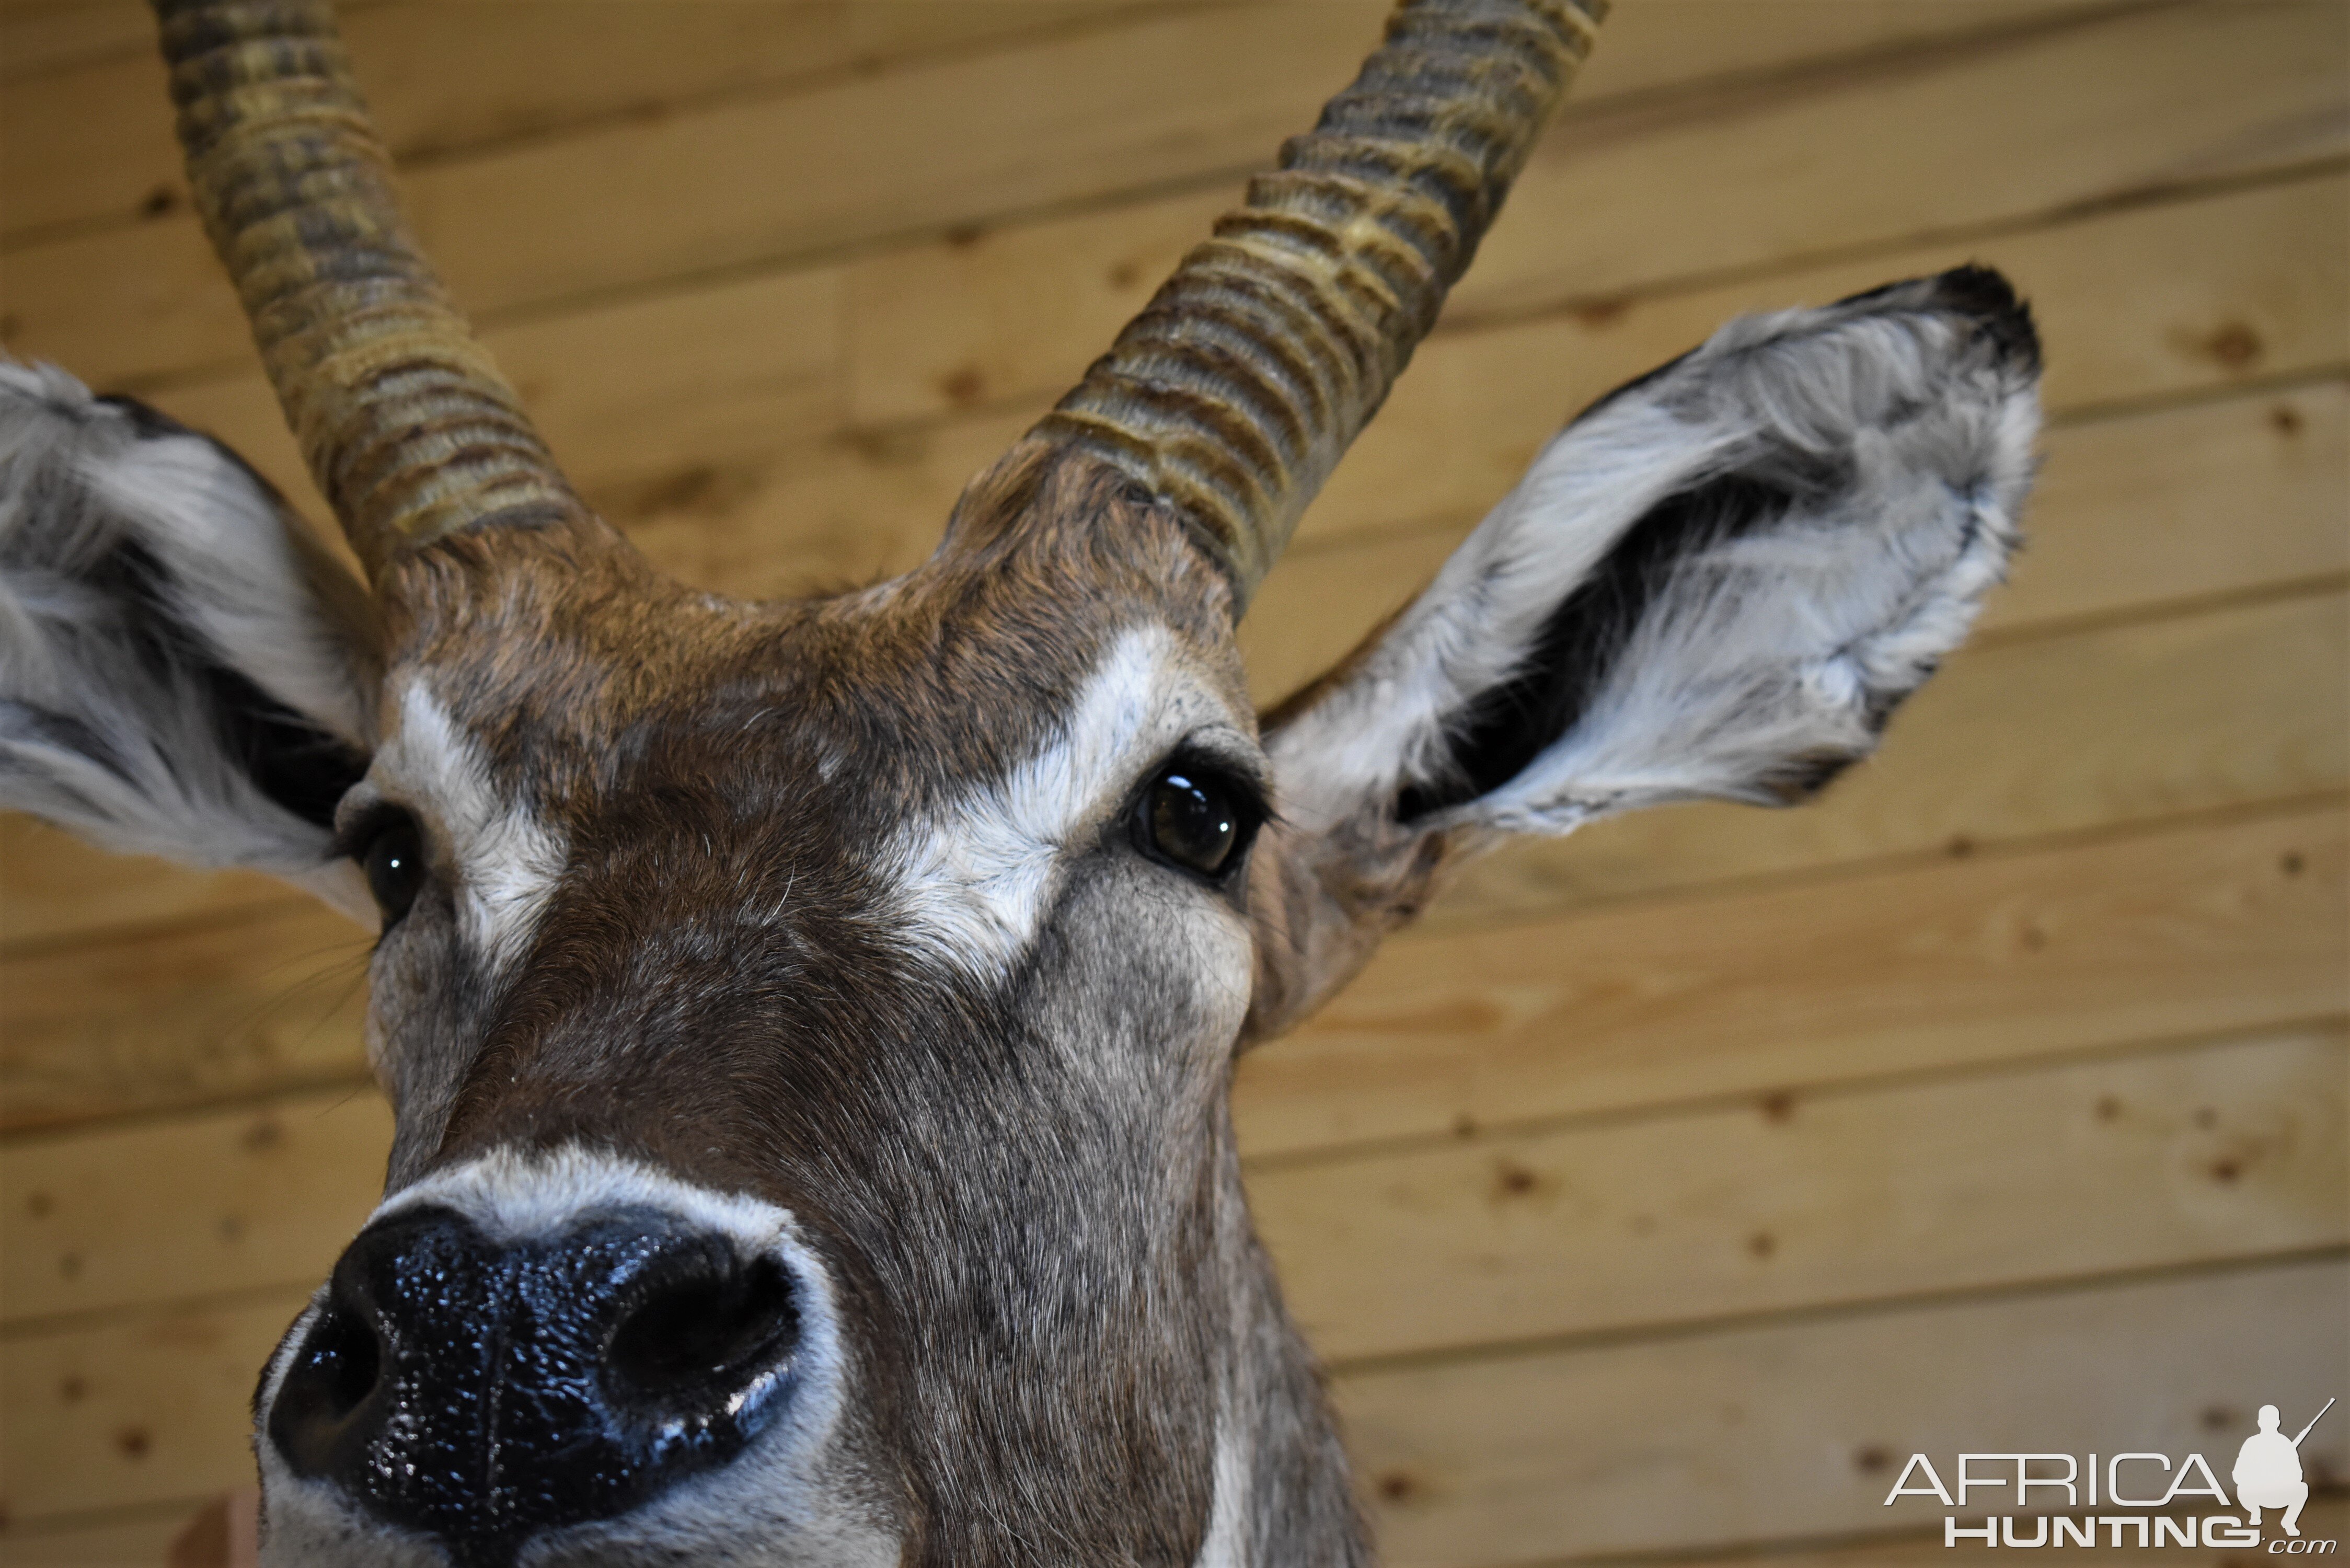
x=810, y=1023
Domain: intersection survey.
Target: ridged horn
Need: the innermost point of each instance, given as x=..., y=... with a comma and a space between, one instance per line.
x=407, y=426
x=1239, y=386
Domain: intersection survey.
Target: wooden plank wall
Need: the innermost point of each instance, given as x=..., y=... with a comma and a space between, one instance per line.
x=1675, y=1177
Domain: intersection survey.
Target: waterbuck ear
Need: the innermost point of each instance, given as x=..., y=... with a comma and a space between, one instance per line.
x=1719, y=581
x=183, y=671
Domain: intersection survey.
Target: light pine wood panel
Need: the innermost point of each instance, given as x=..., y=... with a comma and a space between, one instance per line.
x=1790, y=169
x=2252, y=283
x=2138, y=103
x=1780, y=1433
x=2164, y=1159
x=2130, y=724
x=93, y=143
x=2185, y=931
x=259, y=1196
x=911, y=152
x=2178, y=504
x=54, y=888
x=1476, y=405
x=260, y=1000
x=42, y=36
x=142, y=1539
x=122, y=1413
x=724, y=448
x=1612, y=205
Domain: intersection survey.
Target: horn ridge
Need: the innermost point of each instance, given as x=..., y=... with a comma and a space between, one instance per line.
x=1235, y=392
x=405, y=422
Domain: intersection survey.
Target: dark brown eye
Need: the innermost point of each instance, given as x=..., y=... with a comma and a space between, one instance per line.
x=394, y=861
x=1193, y=819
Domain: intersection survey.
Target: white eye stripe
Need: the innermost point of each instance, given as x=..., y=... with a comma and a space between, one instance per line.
x=507, y=858
x=973, y=882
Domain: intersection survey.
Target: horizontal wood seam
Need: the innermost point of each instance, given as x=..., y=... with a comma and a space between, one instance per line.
x=1823, y=1312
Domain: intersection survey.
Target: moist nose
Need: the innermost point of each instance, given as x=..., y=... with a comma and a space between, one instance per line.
x=484, y=1391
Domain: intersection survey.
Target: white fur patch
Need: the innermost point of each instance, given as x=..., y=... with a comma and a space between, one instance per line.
x=511, y=1196
x=108, y=730
x=1227, y=1542
x=1755, y=656
x=974, y=883
x=507, y=859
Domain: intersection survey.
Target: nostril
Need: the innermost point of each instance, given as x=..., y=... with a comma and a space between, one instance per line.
x=696, y=1339
x=343, y=1359
x=334, y=1373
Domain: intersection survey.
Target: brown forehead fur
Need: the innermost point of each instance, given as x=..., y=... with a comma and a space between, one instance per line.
x=1037, y=1251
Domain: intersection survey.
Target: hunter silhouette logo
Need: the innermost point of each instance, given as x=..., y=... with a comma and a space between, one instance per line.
x=2136, y=1498
x=2267, y=1470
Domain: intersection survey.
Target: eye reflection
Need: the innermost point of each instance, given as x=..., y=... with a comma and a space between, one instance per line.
x=394, y=862
x=1193, y=820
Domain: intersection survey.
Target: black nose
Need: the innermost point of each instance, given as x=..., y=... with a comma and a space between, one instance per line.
x=482, y=1393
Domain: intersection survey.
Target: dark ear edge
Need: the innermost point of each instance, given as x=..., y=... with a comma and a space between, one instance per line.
x=1498, y=732
x=1719, y=581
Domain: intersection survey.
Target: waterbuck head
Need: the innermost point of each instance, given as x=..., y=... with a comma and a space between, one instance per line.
x=810, y=1023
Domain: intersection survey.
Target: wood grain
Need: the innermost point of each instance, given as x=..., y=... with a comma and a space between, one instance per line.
x=2191, y=930
x=123, y=1413
x=140, y=1538
x=1797, y=170
x=91, y=143
x=2134, y=725
x=1786, y=1432
x=265, y=1195
x=1867, y=1194
x=257, y=1002
x=2253, y=286
x=2129, y=514
x=1790, y=168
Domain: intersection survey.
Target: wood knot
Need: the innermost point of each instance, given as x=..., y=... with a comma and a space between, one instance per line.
x=2285, y=418
x=962, y=385
x=2235, y=345
x=1869, y=1458
x=1397, y=1486
x=1779, y=1105
x=134, y=1442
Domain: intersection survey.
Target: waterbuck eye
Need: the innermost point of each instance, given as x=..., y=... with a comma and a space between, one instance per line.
x=393, y=856
x=1191, y=818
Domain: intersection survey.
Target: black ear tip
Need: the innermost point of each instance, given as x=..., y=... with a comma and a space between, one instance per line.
x=1987, y=296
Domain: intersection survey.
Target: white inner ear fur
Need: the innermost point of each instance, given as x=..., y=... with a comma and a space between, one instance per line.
x=506, y=858
x=139, y=765
x=1758, y=653
x=974, y=881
